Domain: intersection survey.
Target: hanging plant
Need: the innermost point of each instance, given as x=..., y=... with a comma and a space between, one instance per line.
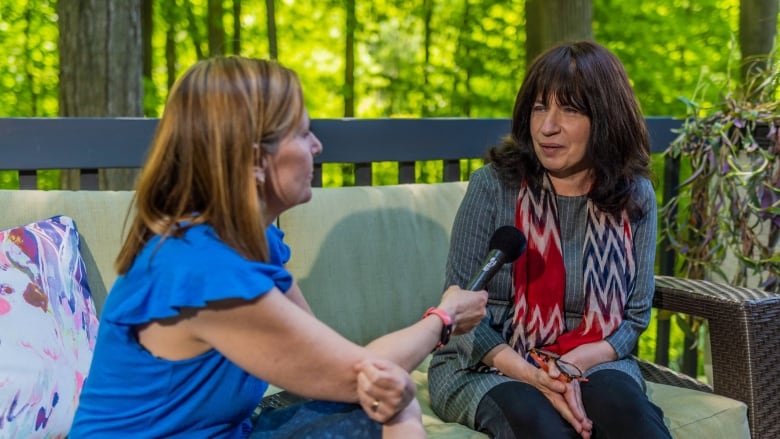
x=730, y=203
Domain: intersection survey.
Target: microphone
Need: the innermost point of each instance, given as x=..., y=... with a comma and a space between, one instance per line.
x=506, y=245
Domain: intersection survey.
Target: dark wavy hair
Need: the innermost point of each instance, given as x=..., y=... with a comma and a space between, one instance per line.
x=588, y=77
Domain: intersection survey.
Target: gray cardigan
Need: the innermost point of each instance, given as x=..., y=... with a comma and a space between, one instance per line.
x=487, y=205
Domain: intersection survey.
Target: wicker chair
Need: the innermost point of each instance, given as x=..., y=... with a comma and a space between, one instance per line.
x=745, y=340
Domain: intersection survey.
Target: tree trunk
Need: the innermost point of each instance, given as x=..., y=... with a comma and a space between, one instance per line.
x=550, y=22
x=170, y=43
x=147, y=30
x=147, y=56
x=216, y=28
x=236, y=27
x=462, y=59
x=757, y=32
x=349, y=60
x=100, y=68
x=273, y=52
x=28, y=61
x=349, y=170
x=192, y=25
x=428, y=32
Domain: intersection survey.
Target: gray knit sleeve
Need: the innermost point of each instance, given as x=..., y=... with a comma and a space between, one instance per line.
x=639, y=302
x=474, y=224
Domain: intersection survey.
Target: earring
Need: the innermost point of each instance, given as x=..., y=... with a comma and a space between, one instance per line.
x=259, y=175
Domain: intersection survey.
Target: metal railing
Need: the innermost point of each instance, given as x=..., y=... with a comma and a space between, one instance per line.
x=88, y=144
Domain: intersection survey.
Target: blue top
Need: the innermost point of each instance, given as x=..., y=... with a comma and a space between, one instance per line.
x=130, y=392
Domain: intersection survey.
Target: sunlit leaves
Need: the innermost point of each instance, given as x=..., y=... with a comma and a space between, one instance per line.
x=475, y=52
x=28, y=59
x=666, y=45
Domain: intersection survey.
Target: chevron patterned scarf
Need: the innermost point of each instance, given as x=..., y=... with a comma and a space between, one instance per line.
x=609, y=273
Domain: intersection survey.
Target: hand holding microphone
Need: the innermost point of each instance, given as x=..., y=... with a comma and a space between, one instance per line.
x=467, y=306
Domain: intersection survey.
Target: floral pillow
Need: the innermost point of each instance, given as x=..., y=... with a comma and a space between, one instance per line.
x=48, y=328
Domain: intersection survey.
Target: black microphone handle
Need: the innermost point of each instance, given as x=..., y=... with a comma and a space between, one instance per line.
x=493, y=262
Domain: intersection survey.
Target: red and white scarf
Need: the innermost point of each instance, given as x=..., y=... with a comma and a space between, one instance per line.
x=609, y=273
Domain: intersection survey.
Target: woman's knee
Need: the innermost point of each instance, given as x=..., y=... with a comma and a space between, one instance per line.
x=315, y=419
x=618, y=406
x=516, y=409
x=608, y=390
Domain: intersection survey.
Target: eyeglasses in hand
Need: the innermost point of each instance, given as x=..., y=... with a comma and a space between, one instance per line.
x=568, y=371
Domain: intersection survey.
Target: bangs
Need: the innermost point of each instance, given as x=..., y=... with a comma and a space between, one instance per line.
x=562, y=81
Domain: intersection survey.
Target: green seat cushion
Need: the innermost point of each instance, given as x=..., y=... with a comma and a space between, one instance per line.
x=694, y=414
x=689, y=414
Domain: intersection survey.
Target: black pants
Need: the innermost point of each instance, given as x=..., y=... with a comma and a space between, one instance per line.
x=612, y=399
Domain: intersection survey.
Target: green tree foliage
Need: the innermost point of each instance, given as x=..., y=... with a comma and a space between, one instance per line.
x=432, y=58
x=28, y=58
x=667, y=45
x=28, y=64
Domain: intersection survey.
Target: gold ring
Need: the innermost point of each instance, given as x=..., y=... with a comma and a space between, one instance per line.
x=375, y=405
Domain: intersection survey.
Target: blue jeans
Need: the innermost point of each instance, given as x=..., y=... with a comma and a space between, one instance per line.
x=316, y=419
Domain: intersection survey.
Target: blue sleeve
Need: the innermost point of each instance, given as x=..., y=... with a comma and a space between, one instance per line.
x=190, y=272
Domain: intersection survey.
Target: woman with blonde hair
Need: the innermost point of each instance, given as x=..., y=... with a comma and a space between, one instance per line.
x=204, y=314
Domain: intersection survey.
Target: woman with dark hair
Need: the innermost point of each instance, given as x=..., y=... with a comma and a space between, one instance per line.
x=204, y=313
x=552, y=357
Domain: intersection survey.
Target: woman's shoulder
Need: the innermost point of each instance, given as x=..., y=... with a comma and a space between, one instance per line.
x=484, y=185
x=643, y=189
x=201, y=246
x=486, y=172
x=197, y=245
x=202, y=243
x=644, y=194
x=488, y=176
x=189, y=272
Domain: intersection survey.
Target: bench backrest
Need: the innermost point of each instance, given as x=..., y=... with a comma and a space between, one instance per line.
x=99, y=217
x=369, y=259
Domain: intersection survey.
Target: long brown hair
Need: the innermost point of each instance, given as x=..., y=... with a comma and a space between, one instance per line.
x=200, y=165
x=588, y=77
